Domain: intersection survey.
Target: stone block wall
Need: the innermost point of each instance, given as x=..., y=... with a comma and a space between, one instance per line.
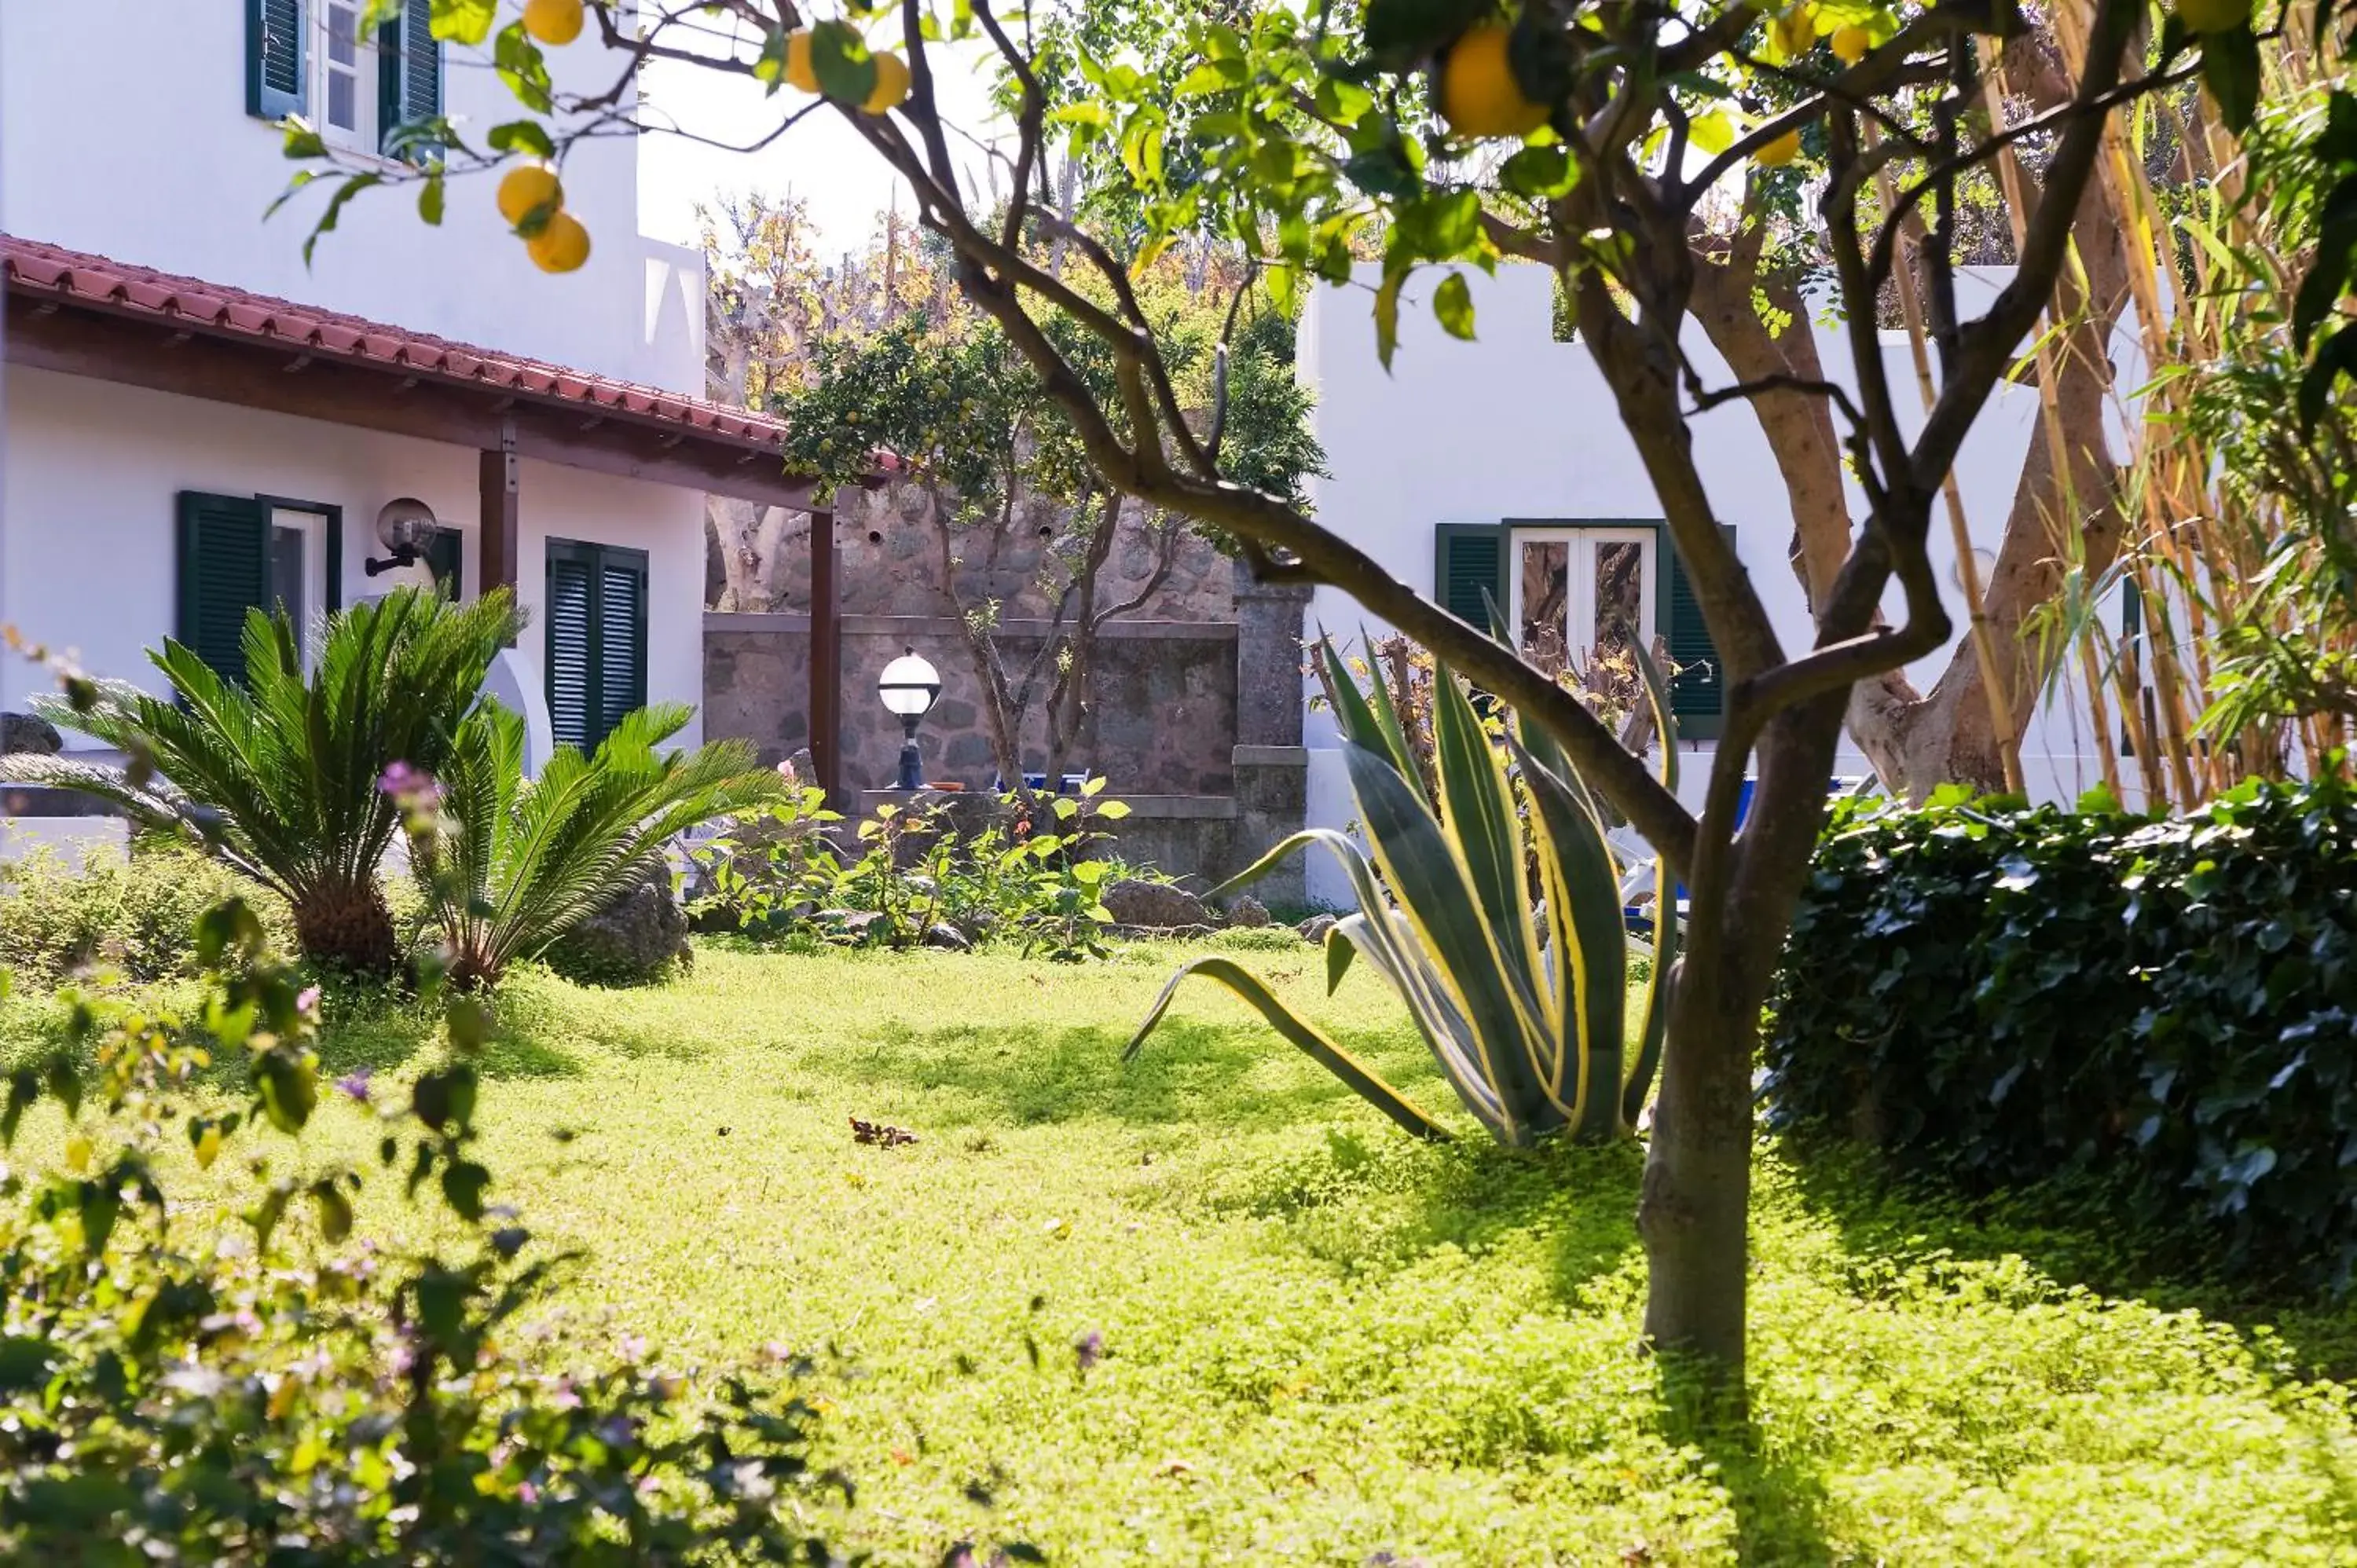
x=1164, y=716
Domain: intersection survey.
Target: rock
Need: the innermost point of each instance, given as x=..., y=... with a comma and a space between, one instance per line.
x=635, y=940
x=1313, y=930
x=1155, y=906
x=1247, y=911
x=949, y=939
x=23, y=734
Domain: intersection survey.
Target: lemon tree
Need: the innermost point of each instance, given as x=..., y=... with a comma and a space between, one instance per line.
x=1607, y=141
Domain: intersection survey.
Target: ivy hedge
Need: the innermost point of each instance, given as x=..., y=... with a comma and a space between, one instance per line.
x=2149, y=1021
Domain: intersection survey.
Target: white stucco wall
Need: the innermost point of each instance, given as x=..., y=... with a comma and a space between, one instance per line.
x=92, y=469
x=1516, y=425
x=124, y=131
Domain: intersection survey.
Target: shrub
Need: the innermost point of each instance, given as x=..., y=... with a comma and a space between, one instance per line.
x=2151, y=1017
x=513, y=865
x=278, y=776
x=132, y=913
x=1034, y=874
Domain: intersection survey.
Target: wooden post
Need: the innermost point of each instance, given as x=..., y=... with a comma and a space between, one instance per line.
x=502, y=516
x=825, y=658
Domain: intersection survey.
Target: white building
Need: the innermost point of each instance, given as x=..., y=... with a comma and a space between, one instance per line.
x=1502, y=463
x=197, y=422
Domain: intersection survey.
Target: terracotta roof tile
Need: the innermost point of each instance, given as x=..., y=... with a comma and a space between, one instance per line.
x=31, y=267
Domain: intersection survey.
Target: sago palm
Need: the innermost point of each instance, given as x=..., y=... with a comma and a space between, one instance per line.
x=518, y=863
x=279, y=778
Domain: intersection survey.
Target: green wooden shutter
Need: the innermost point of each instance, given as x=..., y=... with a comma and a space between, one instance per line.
x=1470, y=561
x=571, y=640
x=621, y=636
x=277, y=75
x=1699, y=692
x=224, y=571
x=409, y=71
x=446, y=557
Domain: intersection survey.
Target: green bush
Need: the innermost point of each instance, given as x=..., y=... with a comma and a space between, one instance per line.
x=2152, y=1018
x=132, y=913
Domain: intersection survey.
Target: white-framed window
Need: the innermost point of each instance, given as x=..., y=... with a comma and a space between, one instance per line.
x=298, y=568
x=1578, y=592
x=348, y=74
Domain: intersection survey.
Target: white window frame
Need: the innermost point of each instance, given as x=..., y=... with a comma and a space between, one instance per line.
x=365, y=69
x=313, y=525
x=1579, y=601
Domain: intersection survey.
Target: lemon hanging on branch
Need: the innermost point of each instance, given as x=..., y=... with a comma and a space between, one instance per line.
x=1779, y=152
x=525, y=189
x=561, y=246
x=891, y=84
x=554, y=21
x=1850, y=44
x=801, y=75
x=1481, y=97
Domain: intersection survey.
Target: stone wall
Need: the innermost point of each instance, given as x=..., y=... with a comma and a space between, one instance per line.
x=759, y=560
x=1163, y=718
x=1197, y=724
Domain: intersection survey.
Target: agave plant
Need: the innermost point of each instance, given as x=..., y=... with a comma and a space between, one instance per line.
x=279, y=777
x=1492, y=903
x=515, y=863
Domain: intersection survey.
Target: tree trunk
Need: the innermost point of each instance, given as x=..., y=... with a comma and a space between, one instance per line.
x=1695, y=1211
x=349, y=926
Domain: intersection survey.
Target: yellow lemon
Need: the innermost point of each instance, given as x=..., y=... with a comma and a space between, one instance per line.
x=209, y=1148
x=1780, y=152
x=527, y=188
x=554, y=21
x=561, y=247
x=1850, y=44
x=1480, y=97
x=891, y=84
x=2202, y=17
x=801, y=74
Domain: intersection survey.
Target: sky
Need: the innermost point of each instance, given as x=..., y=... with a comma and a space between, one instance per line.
x=820, y=160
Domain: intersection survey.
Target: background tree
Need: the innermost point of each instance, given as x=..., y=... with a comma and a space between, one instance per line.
x=1320, y=138
x=1017, y=511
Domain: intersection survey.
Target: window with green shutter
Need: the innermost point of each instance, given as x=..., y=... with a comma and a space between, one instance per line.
x=409, y=72
x=446, y=557
x=225, y=569
x=597, y=617
x=1698, y=691
x=1470, y=569
x=277, y=65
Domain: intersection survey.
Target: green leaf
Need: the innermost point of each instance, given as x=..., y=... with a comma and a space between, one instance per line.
x=1387, y=317
x=1452, y=302
x=1403, y=1111
x=1540, y=173
x=462, y=1185
x=521, y=136
x=335, y=1209
x=429, y=200
x=846, y=70
x=463, y=21
x=2230, y=69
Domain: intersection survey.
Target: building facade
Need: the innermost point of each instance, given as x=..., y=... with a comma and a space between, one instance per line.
x=198, y=421
x=1500, y=466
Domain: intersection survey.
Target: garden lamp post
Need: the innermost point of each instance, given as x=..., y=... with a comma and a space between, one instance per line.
x=403, y=528
x=909, y=686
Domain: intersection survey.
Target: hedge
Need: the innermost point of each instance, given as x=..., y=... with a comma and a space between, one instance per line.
x=2151, y=1017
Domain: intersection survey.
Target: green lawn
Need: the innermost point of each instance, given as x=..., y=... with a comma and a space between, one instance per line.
x=1321, y=1343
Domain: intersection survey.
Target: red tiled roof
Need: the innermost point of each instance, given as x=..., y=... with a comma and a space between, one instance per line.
x=34, y=269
